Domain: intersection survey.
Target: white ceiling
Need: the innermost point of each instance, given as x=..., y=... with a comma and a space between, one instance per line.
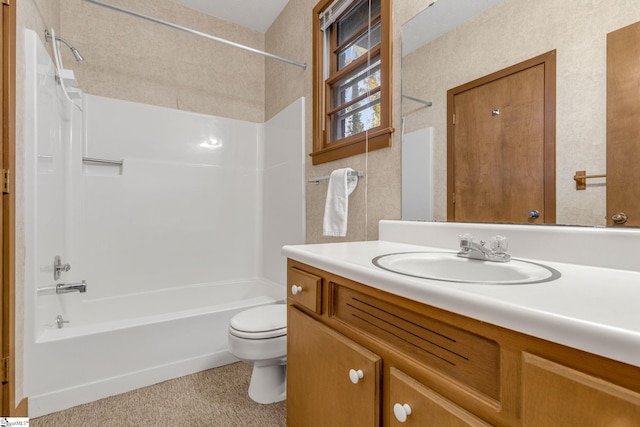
x=255, y=14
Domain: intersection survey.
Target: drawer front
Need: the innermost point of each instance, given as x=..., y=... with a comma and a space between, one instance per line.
x=411, y=403
x=305, y=289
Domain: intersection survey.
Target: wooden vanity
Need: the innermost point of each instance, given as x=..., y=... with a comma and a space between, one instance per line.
x=361, y=356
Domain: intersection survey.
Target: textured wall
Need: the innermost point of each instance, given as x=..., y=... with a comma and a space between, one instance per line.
x=511, y=32
x=130, y=58
x=378, y=195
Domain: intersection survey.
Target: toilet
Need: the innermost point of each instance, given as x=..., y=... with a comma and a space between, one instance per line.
x=259, y=336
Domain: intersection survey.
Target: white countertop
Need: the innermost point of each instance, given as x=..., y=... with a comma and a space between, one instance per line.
x=594, y=309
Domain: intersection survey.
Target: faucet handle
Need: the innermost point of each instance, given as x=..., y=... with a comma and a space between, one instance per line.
x=499, y=244
x=465, y=240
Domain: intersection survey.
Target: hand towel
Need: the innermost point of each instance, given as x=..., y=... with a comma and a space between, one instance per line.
x=337, y=204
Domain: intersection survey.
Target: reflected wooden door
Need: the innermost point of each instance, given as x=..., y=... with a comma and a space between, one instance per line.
x=623, y=126
x=3, y=253
x=501, y=146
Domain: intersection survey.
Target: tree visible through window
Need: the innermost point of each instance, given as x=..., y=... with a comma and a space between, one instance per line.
x=351, y=78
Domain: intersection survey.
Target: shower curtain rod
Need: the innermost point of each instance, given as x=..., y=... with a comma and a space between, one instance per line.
x=199, y=33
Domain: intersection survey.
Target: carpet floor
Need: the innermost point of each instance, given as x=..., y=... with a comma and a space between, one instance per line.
x=216, y=397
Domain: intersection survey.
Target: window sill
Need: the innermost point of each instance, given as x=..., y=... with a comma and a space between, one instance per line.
x=379, y=139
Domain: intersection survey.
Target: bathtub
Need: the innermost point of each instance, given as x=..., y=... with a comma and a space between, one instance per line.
x=113, y=345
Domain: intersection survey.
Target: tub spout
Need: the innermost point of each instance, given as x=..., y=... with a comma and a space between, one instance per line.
x=64, y=288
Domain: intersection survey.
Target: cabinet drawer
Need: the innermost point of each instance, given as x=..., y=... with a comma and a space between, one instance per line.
x=471, y=359
x=424, y=407
x=305, y=289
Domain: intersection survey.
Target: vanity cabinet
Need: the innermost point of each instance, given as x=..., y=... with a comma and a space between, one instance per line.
x=416, y=365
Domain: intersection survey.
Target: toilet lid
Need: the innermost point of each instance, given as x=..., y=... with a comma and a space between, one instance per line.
x=265, y=318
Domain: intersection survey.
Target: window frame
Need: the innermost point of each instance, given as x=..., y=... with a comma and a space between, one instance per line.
x=378, y=137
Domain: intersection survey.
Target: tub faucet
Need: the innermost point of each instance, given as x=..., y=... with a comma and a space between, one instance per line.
x=65, y=288
x=473, y=250
x=60, y=321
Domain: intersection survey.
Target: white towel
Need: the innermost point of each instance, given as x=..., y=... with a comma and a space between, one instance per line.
x=337, y=204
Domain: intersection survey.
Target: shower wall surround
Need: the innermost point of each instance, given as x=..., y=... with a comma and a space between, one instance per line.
x=198, y=199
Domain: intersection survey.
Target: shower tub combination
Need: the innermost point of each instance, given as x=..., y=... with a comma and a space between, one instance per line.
x=122, y=343
x=179, y=230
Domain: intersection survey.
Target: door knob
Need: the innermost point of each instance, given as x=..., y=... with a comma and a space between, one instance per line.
x=619, y=218
x=401, y=412
x=534, y=213
x=295, y=289
x=356, y=376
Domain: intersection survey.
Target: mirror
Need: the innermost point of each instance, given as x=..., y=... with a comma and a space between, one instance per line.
x=452, y=42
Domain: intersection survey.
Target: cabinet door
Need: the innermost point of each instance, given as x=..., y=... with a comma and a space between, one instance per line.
x=558, y=395
x=320, y=391
x=424, y=407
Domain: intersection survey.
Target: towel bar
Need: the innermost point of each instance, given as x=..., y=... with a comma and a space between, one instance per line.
x=317, y=180
x=581, y=179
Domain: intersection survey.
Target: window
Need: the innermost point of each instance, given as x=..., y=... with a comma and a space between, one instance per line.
x=352, y=75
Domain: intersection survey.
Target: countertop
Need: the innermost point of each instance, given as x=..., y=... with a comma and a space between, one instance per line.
x=594, y=309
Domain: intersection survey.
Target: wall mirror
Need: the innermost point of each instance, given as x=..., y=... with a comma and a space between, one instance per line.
x=452, y=42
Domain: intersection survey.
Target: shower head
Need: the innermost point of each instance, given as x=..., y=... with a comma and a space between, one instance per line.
x=76, y=53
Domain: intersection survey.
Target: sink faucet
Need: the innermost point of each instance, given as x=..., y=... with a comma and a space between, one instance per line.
x=473, y=250
x=64, y=288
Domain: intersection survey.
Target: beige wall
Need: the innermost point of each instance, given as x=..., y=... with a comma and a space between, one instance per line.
x=130, y=58
x=511, y=32
x=378, y=195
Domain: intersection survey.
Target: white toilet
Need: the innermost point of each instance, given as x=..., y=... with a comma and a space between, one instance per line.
x=259, y=336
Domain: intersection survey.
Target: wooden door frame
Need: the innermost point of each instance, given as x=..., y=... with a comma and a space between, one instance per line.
x=9, y=405
x=548, y=60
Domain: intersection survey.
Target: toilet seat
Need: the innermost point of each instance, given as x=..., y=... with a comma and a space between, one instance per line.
x=264, y=322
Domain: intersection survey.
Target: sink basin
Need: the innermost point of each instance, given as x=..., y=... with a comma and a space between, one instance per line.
x=448, y=267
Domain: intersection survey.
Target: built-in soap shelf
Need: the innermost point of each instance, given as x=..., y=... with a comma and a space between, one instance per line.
x=68, y=78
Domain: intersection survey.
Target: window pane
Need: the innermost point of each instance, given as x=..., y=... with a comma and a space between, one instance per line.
x=356, y=112
x=359, y=83
x=361, y=116
x=356, y=18
x=359, y=47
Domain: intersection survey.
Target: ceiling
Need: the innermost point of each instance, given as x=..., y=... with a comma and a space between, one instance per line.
x=257, y=15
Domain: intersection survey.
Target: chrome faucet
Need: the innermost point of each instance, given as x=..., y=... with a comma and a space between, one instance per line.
x=59, y=267
x=473, y=250
x=65, y=288
x=60, y=321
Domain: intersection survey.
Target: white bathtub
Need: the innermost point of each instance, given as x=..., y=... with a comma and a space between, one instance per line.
x=113, y=345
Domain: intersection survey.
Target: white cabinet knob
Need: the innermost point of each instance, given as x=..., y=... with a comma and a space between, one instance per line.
x=401, y=412
x=356, y=376
x=295, y=289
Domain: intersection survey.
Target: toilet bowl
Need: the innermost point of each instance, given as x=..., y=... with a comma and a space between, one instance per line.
x=259, y=336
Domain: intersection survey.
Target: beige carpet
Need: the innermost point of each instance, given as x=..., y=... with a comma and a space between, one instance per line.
x=217, y=397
